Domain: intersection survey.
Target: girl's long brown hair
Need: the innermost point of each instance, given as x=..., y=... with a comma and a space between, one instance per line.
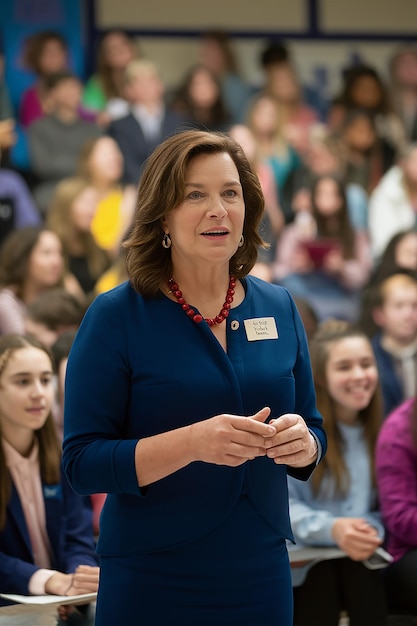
x=333, y=464
x=344, y=232
x=49, y=446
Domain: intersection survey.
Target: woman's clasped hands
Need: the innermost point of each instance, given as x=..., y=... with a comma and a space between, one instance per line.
x=234, y=439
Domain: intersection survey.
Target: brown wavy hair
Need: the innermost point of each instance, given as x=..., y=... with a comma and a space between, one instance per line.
x=161, y=190
x=49, y=446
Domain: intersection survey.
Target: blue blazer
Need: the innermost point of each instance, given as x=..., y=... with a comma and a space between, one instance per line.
x=391, y=385
x=138, y=367
x=70, y=531
x=135, y=147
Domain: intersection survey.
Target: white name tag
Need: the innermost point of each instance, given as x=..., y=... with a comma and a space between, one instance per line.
x=260, y=328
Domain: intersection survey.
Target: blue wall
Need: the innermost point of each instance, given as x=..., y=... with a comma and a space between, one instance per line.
x=20, y=18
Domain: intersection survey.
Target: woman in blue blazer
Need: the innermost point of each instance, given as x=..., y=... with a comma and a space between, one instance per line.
x=46, y=533
x=189, y=397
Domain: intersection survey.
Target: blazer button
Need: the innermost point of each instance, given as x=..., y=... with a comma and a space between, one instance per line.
x=234, y=325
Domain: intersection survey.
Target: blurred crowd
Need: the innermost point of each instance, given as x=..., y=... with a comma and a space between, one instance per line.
x=340, y=229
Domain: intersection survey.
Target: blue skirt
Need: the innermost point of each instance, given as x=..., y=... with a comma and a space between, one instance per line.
x=236, y=575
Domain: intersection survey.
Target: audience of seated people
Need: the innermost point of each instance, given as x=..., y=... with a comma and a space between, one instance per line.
x=340, y=185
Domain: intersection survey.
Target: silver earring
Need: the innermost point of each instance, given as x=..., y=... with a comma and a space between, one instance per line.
x=241, y=241
x=166, y=241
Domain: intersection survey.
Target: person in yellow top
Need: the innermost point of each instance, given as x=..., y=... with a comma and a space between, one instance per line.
x=101, y=163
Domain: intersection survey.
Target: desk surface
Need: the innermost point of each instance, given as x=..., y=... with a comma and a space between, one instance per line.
x=25, y=615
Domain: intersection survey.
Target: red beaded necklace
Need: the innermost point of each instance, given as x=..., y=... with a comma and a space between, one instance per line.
x=196, y=317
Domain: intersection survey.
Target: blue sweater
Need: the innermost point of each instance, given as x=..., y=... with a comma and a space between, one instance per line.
x=140, y=366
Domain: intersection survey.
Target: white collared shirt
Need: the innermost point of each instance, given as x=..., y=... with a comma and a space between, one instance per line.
x=150, y=122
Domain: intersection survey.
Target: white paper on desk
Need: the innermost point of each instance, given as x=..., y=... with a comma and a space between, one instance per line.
x=49, y=599
x=314, y=554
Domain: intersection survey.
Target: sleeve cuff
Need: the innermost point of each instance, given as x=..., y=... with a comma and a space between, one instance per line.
x=319, y=447
x=38, y=581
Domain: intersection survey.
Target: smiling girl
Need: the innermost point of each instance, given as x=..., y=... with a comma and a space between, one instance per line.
x=46, y=537
x=337, y=506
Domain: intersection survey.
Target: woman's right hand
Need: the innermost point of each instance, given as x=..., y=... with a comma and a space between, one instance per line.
x=356, y=537
x=232, y=439
x=83, y=580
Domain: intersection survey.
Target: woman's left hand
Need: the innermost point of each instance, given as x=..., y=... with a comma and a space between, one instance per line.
x=293, y=444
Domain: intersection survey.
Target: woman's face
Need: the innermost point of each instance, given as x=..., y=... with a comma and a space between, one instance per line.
x=84, y=208
x=118, y=50
x=26, y=392
x=406, y=252
x=53, y=57
x=283, y=83
x=264, y=116
x=360, y=135
x=46, y=262
x=106, y=160
x=327, y=198
x=351, y=375
x=397, y=315
x=206, y=227
x=366, y=92
x=203, y=90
